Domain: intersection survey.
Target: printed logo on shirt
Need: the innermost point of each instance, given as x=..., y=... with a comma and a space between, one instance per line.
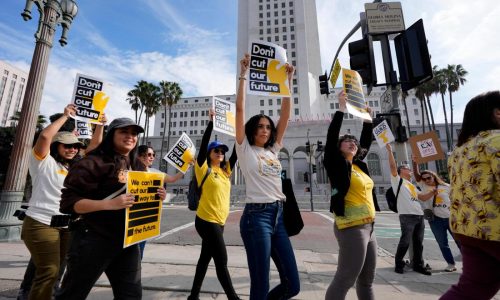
x=413, y=191
x=122, y=176
x=62, y=172
x=268, y=166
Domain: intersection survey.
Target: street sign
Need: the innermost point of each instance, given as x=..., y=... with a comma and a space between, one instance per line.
x=386, y=100
x=384, y=17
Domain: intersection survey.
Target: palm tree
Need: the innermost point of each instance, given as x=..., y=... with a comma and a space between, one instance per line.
x=134, y=101
x=455, y=77
x=420, y=94
x=441, y=87
x=429, y=90
x=150, y=98
x=169, y=96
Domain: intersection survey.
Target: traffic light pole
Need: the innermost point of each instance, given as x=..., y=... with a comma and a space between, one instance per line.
x=310, y=170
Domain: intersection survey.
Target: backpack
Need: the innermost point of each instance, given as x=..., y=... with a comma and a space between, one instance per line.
x=194, y=192
x=392, y=200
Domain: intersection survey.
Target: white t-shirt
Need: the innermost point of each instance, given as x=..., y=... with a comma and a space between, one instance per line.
x=262, y=171
x=408, y=203
x=47, y=177
x=442, y=205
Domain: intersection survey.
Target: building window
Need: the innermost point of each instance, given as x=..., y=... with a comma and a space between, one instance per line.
x=261, y=31
x=163, y=115
x=279, y=112
x=284, y=37
x=268, y=22
x=296, y=111
x=275, y=13
x=278, y=101
x=276, y=22
x=268, y=38
x=283, y=12
x=296, y=100
x=269, y=31
x=270, y=113
x=374, y=164
x=290, y=4
x=283, y=5
x=283, y=21
x=270, y=101
x=417, y=122
x=275, y=5
x=162, y=125
x=276, y=30
x=192, y=113
x=293, y=45
x=291, y=20
x=415, y=112
x=292, y=37
x=331, y=106
x=161, y=133
x=438, y=134
x=337, y=105
x=294, y=81
x=261, y=102
x=375, y=102
x=261, y=23
x=191, y=123
x=295, y=90
x=284, y=29
x=276, y=38
x=414, y=101
x=261, y=112
x=291, y=12
x=268, y=14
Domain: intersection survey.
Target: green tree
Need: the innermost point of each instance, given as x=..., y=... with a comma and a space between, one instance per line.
x=40, y=123
x=441, y=87
x=134, y=102
x=170, y=94
x=455, y=77
x=144, y=97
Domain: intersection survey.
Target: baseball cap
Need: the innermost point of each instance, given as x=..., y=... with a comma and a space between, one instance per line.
x=217, y=144
x=124, y=122
x=66, y=137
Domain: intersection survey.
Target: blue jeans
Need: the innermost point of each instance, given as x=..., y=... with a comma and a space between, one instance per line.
x=412, y=228
x=264, y=236
x=440, y=228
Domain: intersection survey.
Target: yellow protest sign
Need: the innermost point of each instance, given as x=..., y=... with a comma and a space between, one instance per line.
x=353, y=87
x=267, y=74
x=224, y=119
x=383, y=134
x=89, y=99
x=181, y=154
x=335, y=72
x=142, y=220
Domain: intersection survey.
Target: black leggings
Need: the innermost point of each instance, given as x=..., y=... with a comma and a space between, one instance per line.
x=212, y=246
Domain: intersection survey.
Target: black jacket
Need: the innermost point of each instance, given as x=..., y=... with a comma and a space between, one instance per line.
x=338, y=168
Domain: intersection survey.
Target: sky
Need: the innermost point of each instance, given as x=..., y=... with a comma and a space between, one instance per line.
x=193, y=42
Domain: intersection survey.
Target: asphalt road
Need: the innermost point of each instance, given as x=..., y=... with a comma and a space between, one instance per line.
x=177, y=227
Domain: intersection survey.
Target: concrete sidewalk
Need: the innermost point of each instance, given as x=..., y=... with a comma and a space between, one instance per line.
x=168, y=272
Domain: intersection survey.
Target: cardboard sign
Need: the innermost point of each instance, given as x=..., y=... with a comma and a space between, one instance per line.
x=353, y=87
x=181, y=154
x=267, y=71
x=383, y=134
x=89, y=98
x=335, y=72
x=426, y=147
x=224, y=119
x=142, y=220
x=83, y=130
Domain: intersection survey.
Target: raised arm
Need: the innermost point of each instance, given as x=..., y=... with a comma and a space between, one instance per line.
x=42, y=145
x=392, y=161
x=240, y=99
x=202, y=154
x=332, y=136
x=173, y=178
x=416, y=171
x=233, y=158
x=285, y=108
x=365, y=140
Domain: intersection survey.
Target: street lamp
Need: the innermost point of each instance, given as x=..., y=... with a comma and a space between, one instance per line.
x=52, y=13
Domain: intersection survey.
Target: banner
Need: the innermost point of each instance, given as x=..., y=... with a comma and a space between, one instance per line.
x=335, y=73
x=426, y=147
x=142, y=220
x=89, y=98
x=181, y=154
x=267, y=74
x=383, y=134
x=83, y=130
x=224, y=119
x=353, y=87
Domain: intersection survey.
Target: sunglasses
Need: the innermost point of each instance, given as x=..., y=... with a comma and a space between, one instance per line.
x=217, y=151
x=72, y=146
x=426, y=177
x=151, y=154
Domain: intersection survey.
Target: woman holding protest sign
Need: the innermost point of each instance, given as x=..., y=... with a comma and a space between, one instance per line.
x=213, y=210
x=94, y=191
x=354, y=204
x=258, y=143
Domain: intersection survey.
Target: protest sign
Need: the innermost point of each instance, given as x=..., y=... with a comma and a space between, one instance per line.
x=353, y=87
x=335, y=72
x=181, y=154
x=267, y=74
x=142, y=220
x=383, y=134
x=426, y=147
x=83, y=130
x=89, y=98
x=224, y=119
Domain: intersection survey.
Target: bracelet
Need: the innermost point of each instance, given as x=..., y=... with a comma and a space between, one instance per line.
x=242, y=78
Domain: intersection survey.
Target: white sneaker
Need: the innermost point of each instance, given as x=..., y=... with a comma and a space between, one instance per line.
x=450, y=268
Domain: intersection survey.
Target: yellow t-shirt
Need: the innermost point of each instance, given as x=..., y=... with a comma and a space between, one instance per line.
x=474, y=170
x=215, y=196
x=359, y=207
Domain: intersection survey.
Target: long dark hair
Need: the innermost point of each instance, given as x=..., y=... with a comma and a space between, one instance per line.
x=251, y=129
x=478, y=116
x=54, y=152
x=360, y=154
x=222, y=163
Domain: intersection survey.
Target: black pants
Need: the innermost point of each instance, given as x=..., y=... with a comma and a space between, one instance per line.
x=212, y=246
x=412, y=228
x=89, y=256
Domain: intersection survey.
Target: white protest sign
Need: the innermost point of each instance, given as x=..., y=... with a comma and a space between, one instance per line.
x=89, y=98
x=181, y=154
x=83, y=129
x=353, y=87
x=224, y=119
x=383, y=134
x=267, y=71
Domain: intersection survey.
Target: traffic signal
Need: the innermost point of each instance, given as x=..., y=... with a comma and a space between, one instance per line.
x=314, y=169
x=308, y=147
x=362, y=59
x=323, y=85
x=320, y=146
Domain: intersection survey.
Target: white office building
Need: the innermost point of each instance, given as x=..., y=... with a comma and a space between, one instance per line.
x=12, y=88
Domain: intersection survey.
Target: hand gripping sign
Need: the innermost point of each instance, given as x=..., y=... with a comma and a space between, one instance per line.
x=383, y=134
x=353, y=87
x=267, y=75
x=224, y=119
x=142, y=220
x=89, y=98
x=181, y=154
